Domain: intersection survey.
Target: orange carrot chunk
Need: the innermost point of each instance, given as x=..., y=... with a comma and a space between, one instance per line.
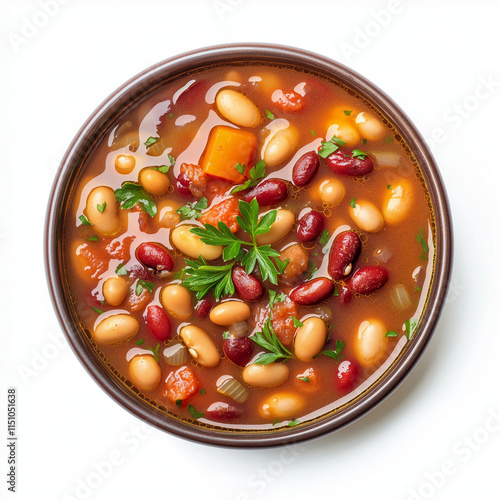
x=226, y=148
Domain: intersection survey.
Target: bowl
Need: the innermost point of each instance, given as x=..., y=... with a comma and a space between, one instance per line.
x=131, y=93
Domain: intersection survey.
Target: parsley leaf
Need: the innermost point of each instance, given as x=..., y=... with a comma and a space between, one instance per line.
x=140, y=342
x=268, y=340
x=359, y=154
x=141, y=284
x=353, y=202
x=410, y=327
x=391, y=333
x=256, y=174
x=269, y=114
x=293, y=422
x=120, y=270
x=84, y=220
x=151, y=141
x=154, y=351
x=192, y=210
x=203, y=391
x=131, y=193
x=304, y=379
x=325, y=235
x=195, y=414
x=240, y=168
x=347, y=112
x=93, y=238
x=274, y=297
x=178, y=403
x=313, y=132
x=329, y=147
x=421, y=239
x=101, y=208
x=296, y=323
x=202, y=277
x=98, y=311
x=334, y=353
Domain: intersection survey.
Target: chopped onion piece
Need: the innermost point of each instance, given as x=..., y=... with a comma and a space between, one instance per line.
x=239, y=329
x=387, y=158
x=232, y=388
x=400, y=297
x=383, y=254
x=176, y=354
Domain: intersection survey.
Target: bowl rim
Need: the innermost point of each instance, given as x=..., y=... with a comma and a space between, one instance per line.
x=143, y=83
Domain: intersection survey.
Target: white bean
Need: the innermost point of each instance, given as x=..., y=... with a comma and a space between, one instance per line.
x=237, y=108
x=269, y=375
x=282, y=406
x=367, y=216
x=101, y=210
x=371, y=341
x=331, y=191
x=200, y=346
x=281, y=146
x=279, y=228
x=115, y=290
x=144, y=372
x=398, y=203
x=191, y=245
x=230, y=312
x=116, y=328
x=370, y=127
x=310, y=338
x=176, y=299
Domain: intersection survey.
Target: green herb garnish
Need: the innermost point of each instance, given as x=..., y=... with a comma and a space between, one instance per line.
x=268, y=340
x=178, y=403
x=293, y=422
x=154, y=351
x=141, y=284
x=131, y=193
x=203, y=277
x=101, y=208
x=347, y=112
x=353, y=202
x=391, y=333
x=256, y=174
x=388, y=186
x=304, y=379
x=192, y=210
x=296, y=322
x=203, y=391
x=120, y=270
x=359, y=154
x=313, y=132
x=140, y=342
x=151, y=141
x=240, y=168
x=274, y=297
x=329, y=147
x=365, y=142
x=410, y=326
x=325, y=235
x=269, y=114
x=195, y=414
x=421, y=239
x=334, y=353
x=97, y=310
x=84, y=220
x=93, y=238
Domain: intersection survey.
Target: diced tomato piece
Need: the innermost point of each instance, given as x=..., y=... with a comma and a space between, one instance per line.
x=308, y=380
x=290, y=101
x=181, y=384
x=282, y=321
x=193, y=176
x=226, y=148
x=225, y=211
x=120, y=249
x=93, y=259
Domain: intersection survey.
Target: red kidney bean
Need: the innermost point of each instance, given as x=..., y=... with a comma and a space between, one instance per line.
x=268, y=192
x=347, y=375
x=312, y=292
x=246, y=285
x=310, y=226
x=158, y=322
x=182, y=185
x=203, y=308
x=239, y=351
x=345, y=295
x=368, y=279
x=305, y=168
x=341, y=162
x=154, y=255
x=343, y=253
x=223, y=412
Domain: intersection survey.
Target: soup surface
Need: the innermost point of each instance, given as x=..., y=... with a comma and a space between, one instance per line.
x=249, y=247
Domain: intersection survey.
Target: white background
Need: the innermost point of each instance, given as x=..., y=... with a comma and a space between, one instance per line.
x=437, y=436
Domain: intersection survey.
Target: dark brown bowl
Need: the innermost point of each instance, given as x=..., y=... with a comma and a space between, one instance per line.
x=125, y=97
